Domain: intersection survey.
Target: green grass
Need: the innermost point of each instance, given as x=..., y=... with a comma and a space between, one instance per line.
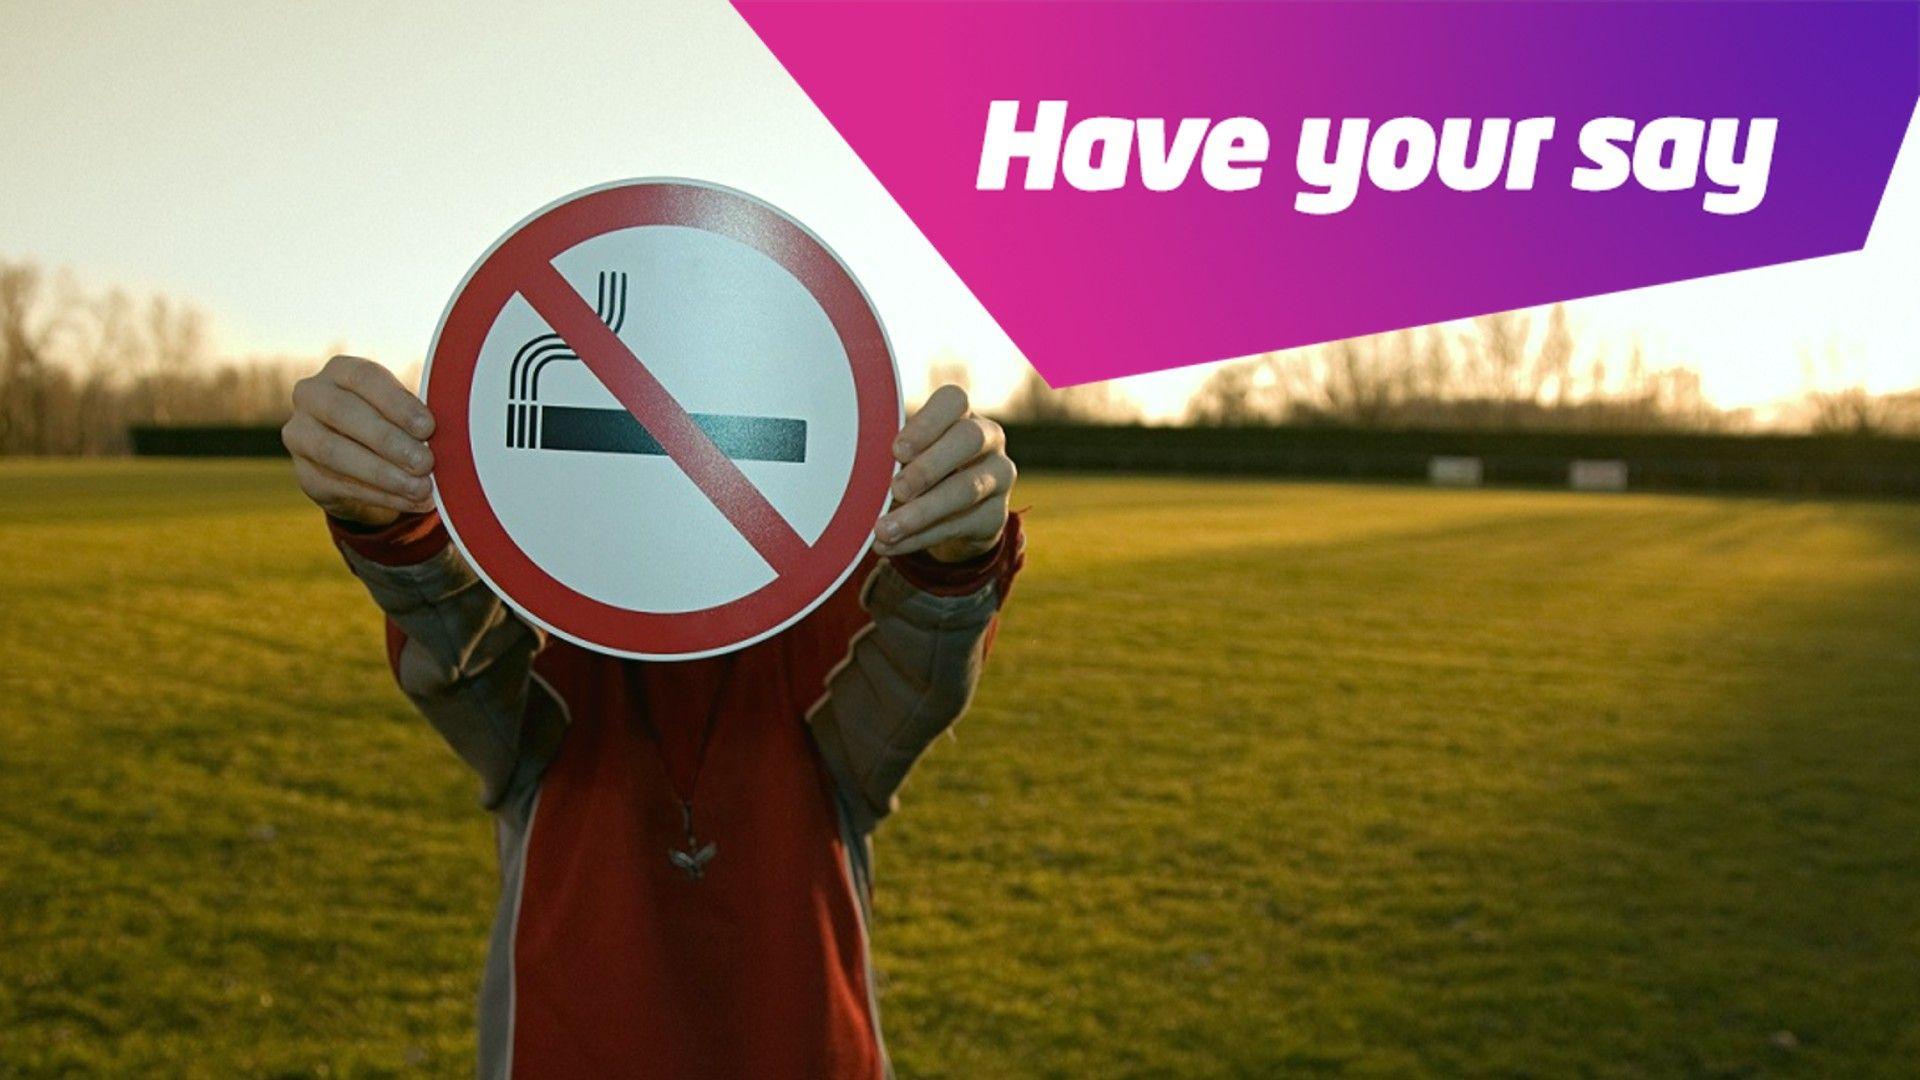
x=1266, y=780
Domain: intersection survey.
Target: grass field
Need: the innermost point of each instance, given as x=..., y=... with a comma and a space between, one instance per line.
x=1266, y=780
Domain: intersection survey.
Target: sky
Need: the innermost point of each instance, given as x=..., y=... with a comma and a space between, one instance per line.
x=319, y=178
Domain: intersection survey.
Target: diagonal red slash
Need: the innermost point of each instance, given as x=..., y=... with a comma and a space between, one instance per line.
x=640, y=393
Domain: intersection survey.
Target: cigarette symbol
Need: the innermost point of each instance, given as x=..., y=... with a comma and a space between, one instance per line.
x=534, y=425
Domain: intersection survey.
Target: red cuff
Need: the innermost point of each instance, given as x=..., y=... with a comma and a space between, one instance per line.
x=996, y=567
x=412, y=538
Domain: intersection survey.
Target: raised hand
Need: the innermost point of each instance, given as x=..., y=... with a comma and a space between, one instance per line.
x=950, y=496
x=357, y=439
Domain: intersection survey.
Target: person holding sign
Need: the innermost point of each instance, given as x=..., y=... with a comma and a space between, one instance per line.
x=684, y=845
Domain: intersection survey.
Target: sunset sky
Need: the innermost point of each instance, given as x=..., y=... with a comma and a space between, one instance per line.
x=319, y=177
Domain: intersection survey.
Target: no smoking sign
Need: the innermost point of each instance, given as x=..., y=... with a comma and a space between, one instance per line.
x=665, y=410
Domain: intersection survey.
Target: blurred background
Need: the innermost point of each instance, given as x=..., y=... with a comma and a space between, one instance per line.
x=1530, y=695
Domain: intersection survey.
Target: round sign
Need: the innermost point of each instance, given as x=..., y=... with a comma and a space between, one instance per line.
x=664, y=416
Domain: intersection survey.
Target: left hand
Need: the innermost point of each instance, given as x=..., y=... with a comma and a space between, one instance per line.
x=950, y=496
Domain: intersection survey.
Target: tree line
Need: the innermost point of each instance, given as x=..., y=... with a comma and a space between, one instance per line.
x=78, y=368
x=1497, y=373
x=1491, y=376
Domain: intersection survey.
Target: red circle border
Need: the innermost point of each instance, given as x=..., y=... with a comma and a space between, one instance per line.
x=470, y=516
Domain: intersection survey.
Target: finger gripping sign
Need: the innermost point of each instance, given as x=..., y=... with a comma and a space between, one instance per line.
x=664, y=415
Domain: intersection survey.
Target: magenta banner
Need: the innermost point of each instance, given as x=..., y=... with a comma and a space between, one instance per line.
x=1135, y=186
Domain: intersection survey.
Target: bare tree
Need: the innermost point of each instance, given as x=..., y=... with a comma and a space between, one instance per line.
x=33, y=320
x=1489, y=376
x=1553, y=364
x=1240, y=394
x=1034, y=402
x=76, y=370
x=1852, y=411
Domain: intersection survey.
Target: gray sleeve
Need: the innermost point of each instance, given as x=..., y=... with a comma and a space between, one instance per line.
x=466, y=663
x=907, y=677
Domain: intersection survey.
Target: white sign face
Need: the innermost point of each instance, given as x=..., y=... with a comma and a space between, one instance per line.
x=577, y=512
x=665, y=412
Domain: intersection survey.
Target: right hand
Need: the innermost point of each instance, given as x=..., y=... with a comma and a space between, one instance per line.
x=357, y=439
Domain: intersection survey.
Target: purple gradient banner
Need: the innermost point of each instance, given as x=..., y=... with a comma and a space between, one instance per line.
x=1133, y=263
